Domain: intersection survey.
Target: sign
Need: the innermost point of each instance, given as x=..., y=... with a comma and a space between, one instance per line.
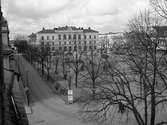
x=70, y=92
x=70, y=96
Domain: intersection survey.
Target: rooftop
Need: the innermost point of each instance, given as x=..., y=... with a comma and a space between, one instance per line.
x=67, y=28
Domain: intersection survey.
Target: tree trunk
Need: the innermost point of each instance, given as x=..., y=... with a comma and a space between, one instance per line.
x=76, y=79
x=93, y=90
x=153, y=101
x=48, y=73
x=42, y=63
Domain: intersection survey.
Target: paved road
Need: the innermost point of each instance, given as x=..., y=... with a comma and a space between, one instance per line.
x=47, y=108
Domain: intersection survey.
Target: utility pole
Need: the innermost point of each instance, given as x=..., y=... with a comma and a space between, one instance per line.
x=2, y=117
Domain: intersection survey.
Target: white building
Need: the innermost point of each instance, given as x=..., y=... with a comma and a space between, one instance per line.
x=68, y=38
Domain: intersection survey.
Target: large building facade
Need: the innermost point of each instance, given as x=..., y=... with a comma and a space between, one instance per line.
x=68, y=38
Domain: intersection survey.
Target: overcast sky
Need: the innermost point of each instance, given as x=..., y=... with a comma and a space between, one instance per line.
x=27, y=16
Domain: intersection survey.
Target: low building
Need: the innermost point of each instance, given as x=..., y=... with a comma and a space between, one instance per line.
x=68, y=38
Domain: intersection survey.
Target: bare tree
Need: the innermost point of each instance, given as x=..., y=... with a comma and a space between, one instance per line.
x=43, y=56
x=93, y=66
x=56, y=60
x=75, y=63
x=160, y=6
x=137, y=85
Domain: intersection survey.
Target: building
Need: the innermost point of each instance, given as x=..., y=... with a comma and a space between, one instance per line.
x=5, y=34
x=161, y=31
x=68, y=38
x=108, y=40
x=32, y=39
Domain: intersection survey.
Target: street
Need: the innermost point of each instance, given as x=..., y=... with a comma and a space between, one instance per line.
x=47, y=108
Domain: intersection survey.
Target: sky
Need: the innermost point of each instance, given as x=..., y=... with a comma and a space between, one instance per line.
x=27, y=16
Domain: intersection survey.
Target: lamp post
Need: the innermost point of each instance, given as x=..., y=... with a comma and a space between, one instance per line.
x=1, y=74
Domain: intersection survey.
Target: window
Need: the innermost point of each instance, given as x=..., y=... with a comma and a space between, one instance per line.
x=90, y=47
x=42, y=37
x=60, y=48
x=84, y=36
x=70, y=48
x=48, y=48
x=74, y=37
x=95, y=42
x=53, y=48
x=79, y=36
x=75, y=48
x=89, y=36
x=89, y=42
x=65, y=48
x=85, y=48
x=79, y=42
x=52, y=43
x=69, y=37
x=74, y=42
x=59, y=37
x=94, y=36
x=94, y=47
x=84, y=42
x=52, y=37
x=64, y=42
x=70, y=42
x=59, y=42
x=47, y=37
x=64, y=37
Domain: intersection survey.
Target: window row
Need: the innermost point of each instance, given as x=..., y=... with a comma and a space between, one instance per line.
x=74, y=36
x=80, y=48
x=74, y=48
x=65, y=37
x=69, y=42
x=74, y=42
